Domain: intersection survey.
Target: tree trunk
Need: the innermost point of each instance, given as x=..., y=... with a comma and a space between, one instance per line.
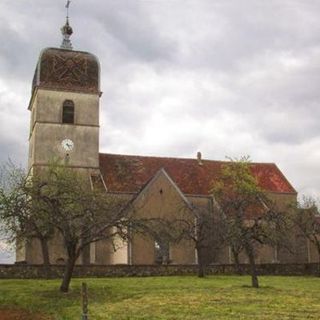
x=201, y=265
x=67, y=274
x=254, y=277
x=45, y=251
x=318, y=273
x=201, y=270
x=317, y=244
x=236, y=261
x=45, y=256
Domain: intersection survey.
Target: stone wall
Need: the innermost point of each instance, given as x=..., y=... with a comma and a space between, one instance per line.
x=20, y=271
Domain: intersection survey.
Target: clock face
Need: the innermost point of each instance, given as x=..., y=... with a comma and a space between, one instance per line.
x=67, y=144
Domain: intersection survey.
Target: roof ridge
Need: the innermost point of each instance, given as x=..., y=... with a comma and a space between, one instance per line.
x=178, y=158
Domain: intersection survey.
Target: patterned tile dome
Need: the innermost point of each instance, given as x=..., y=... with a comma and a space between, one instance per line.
x=67, y=70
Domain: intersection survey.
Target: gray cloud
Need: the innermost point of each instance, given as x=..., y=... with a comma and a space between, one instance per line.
x=223, y=77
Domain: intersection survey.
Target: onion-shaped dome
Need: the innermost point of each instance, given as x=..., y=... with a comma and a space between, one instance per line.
x=67, y=70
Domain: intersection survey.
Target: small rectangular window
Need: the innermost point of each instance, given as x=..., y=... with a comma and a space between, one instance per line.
x=68, y=115
x=68, y=112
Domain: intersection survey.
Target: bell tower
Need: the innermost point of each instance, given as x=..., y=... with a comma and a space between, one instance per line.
x=64, y=122
x=64, y=107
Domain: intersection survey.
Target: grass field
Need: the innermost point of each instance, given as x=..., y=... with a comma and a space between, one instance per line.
x=219, y=297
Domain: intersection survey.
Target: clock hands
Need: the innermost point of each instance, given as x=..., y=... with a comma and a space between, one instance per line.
x=67, y=144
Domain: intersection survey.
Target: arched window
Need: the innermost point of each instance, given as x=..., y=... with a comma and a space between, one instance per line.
x=68, y=112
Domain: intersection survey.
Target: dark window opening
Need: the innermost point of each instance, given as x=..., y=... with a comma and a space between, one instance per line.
x=68, y=112
x=161, y=247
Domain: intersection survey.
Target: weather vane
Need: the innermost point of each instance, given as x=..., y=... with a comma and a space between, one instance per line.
x=66, y=31
x=67, y=6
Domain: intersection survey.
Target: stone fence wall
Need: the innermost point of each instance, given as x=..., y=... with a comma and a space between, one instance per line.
x=20, y=271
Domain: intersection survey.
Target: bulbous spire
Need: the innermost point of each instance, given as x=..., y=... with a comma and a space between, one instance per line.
x=66, y=31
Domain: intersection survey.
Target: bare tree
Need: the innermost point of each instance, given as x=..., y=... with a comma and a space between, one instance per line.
x=60, y=199
x=236, y=247
x=204, y=228
x=250, y=217
x=306, y=218
x=81, y=215
x=22, y=219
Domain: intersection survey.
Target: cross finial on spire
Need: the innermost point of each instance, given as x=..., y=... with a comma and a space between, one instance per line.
x=66, y=31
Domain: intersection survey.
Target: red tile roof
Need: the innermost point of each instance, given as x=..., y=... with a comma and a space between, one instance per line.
x=126, y=173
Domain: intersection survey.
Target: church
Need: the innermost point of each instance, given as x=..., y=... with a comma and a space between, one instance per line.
x=64, y=107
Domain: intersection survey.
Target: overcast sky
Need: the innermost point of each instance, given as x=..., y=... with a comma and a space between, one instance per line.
x=224, y=77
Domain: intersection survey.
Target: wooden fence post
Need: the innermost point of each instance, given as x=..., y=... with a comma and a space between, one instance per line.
x=84, y=293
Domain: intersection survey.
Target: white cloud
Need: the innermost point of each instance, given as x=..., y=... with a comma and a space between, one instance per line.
x=223, y=77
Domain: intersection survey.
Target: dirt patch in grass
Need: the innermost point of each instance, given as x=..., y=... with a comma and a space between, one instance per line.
x=15, y=314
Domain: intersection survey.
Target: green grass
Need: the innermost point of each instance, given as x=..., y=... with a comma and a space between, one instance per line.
x=215, y=297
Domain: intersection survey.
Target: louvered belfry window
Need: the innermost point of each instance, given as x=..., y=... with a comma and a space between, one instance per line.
x=68, y=112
